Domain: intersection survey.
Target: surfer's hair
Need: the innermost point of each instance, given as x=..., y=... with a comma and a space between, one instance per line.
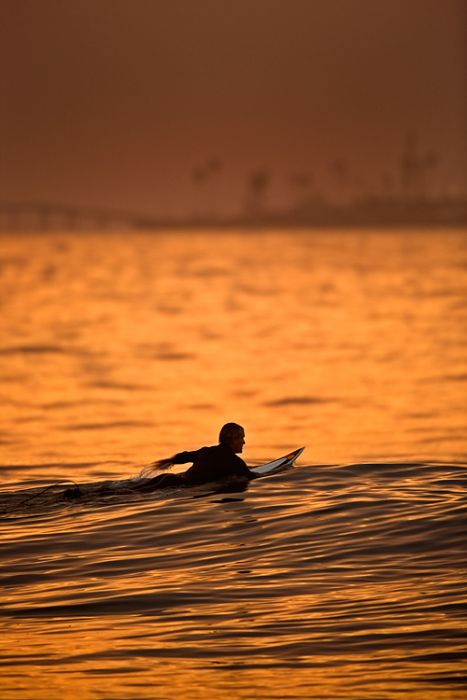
x=227, y=431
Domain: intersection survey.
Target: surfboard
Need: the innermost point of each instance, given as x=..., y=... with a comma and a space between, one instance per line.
x=277, y=465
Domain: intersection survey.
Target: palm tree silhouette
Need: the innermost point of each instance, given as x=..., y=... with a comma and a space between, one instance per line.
x=258, y=182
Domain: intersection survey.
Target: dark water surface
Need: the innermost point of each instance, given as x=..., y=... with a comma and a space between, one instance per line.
x=344, y=577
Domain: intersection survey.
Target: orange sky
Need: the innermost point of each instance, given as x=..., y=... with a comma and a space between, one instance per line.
x=116, y=103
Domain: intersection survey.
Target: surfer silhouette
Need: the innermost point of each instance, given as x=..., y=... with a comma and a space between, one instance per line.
x=208, y=463
x=214, y=463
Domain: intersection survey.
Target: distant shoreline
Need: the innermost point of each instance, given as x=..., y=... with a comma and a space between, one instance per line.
x=377, y=212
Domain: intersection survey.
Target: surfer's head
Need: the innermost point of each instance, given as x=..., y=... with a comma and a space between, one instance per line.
x=232, y=435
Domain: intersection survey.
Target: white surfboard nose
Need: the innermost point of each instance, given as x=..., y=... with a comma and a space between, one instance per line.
x=277, y=464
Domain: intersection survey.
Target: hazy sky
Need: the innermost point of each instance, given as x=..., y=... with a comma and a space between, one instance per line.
x=118, y=102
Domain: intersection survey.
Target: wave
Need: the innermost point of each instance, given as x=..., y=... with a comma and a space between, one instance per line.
x=322, y=566
x=339, y=480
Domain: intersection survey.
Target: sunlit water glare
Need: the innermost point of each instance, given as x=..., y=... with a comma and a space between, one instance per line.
x=341, y=578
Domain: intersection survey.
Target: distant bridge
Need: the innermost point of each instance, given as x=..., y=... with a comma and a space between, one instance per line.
x=29, y=216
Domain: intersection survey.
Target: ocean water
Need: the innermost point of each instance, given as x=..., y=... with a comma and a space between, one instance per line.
x=344, y=577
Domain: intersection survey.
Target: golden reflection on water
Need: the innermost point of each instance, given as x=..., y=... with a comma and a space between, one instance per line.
x=149, y=665
x=329, y=582
x=127, y=346
x=309, y=587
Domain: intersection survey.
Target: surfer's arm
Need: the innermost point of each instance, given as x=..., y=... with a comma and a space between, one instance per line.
x=184, y=457
x=180, y=458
